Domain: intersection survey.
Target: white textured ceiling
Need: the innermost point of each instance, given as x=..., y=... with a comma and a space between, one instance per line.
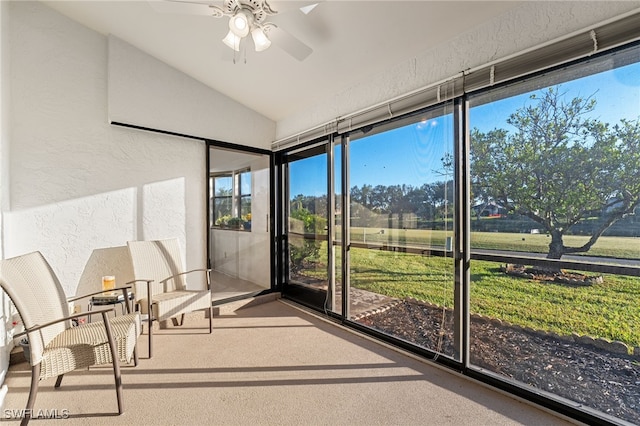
x=351, y=40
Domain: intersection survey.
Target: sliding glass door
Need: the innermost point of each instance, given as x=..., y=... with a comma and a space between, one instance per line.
x=239, y=223
x=401, y=268
x=306, y=225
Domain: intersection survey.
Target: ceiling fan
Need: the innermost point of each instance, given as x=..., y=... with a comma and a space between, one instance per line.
x=245, y=17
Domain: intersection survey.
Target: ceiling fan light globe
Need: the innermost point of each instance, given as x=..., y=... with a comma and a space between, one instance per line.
x=240, y=23
x=232, y=40
x=260, y=39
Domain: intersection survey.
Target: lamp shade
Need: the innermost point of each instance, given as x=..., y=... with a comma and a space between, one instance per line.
x=260, y=39
x=232, y=40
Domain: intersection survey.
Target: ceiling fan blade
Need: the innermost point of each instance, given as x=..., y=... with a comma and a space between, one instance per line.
x=305, y=7
x=183, y=7
x=289, y=43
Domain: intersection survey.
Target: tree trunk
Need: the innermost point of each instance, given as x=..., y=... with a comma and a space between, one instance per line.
x=556, y=246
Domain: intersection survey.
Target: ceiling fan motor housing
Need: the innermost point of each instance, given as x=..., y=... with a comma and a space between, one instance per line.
x=259, y=9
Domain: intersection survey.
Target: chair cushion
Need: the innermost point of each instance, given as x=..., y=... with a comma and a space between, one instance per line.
x=87, y=345
x=171, y=304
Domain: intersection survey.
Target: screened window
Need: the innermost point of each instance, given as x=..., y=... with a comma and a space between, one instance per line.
x=402, y=212
x=231, y=199
x=555, y=176
x=500, y=235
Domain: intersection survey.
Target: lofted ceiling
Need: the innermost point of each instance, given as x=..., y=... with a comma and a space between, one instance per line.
x=351, y=40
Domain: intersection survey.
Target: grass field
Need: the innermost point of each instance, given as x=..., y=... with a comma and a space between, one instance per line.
x=619, y=247
x=610, y=310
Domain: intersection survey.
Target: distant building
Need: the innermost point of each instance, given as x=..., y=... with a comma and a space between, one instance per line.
x=488, y=209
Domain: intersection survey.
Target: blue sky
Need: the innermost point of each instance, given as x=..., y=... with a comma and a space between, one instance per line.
x=375, y=159
x=617, y=94
x=412, y=154
x=308, y=176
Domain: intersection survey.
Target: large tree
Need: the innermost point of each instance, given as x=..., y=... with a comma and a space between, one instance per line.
x=560, y=166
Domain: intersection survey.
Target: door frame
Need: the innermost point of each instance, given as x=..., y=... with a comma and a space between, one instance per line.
x=210, y=143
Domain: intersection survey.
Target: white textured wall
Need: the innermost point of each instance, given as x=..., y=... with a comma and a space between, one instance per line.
x=77, y=183
x=5, y=311
x=4, y=110
x=139, y=94
x=529, y=25
x=76, y=188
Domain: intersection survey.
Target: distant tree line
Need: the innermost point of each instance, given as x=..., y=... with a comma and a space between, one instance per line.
x=371, y=203
x=557, y=170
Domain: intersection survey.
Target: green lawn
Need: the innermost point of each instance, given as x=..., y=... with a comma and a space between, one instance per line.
x=610, y=310
x=620, y=247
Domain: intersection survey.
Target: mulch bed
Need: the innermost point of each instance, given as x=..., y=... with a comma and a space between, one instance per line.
x=606, y=381
x=558, y=276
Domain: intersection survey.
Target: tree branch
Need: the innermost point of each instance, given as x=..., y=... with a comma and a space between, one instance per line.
x=611, y=219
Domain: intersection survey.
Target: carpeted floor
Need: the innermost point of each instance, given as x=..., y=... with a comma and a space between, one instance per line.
x=271, y=364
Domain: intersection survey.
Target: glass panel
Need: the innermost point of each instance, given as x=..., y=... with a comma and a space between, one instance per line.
x=307, y=227
x=402, y=276
x=222, y=208
x=336, y=304
x=245, y=198
x=223, y=199
x=245, y=183
x=555, y=172
x=223, y=185
x=245, y=208
x=240, y=259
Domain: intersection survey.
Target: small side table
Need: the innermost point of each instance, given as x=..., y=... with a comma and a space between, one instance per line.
x=109, y=298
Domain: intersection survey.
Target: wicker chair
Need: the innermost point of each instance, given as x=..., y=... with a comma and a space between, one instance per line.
x=158, y=271
x=56, y=346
